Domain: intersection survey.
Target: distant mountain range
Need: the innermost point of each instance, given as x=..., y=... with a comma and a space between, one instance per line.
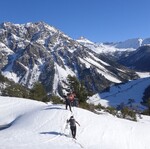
x=138, y=60
x=133, y=53
x=38, y=52
x=130, y=44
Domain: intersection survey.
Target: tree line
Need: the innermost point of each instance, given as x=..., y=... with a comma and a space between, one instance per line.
x=38, y=92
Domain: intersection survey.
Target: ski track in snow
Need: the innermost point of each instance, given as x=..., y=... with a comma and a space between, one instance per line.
x=53, y=135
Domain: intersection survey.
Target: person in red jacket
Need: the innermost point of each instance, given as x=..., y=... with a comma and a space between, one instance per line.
x=68, y=102
x=71, y=98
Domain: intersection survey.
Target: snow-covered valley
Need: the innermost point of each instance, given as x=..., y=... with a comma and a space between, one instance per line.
x=122, y=93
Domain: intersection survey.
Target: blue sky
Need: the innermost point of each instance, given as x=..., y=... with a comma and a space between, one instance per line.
x=97, y=20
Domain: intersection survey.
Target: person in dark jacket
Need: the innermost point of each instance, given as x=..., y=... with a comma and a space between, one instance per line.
x=73, y=128
x=67, y=102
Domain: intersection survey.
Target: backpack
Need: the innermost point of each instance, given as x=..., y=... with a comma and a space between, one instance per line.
x=71, y=97
x=72, y=122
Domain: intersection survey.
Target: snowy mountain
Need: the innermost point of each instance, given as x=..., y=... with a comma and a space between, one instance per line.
x=29, y=124
x=132, y=53
x=128, y=45
x=138, y=60
x=123, y=46
x=39, y=52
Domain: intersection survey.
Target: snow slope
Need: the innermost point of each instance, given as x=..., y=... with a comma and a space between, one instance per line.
x=121, y=93
x=37, y=125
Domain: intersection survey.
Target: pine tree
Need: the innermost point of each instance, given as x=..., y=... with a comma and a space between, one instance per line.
x=38, y=92
x=16, y=90
x=78, y=88
x=146, y=99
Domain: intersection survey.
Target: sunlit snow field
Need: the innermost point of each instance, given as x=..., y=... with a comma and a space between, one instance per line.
x=36, y=125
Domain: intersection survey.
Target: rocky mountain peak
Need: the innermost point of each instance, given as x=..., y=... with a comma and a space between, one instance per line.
x=40, y=52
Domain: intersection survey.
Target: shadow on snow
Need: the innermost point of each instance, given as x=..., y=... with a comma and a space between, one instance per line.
x=5, y=126
x=54, y=133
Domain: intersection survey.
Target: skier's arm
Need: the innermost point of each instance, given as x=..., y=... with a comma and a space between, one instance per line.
x=68, y=121
x=77, y=123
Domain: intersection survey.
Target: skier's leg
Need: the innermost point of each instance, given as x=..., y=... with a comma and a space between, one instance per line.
x=70, y=107
x=72, y=131
x=75, y=131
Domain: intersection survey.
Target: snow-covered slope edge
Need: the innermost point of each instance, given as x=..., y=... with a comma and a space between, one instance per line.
x=38, y=125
